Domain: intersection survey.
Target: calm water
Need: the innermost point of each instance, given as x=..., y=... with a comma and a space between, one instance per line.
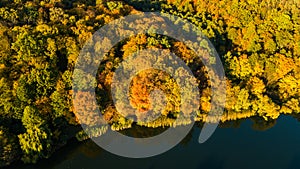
x=228, y=148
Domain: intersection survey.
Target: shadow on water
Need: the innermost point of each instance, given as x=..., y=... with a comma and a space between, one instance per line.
x=234, y=145
x=211, y=163
x=295, y=163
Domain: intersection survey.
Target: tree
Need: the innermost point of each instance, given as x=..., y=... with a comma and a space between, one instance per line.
x=36, y=142
x=9, y=148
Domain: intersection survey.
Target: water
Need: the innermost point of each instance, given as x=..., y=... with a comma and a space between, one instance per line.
x=228, y=148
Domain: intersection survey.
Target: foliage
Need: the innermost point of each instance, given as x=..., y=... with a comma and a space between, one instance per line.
x=8, y=147
x=36, y=141
x=258, y=42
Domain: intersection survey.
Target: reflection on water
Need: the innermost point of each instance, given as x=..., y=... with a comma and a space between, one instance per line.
x=241, y=144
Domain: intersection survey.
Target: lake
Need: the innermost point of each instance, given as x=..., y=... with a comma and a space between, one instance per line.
x=229, y=148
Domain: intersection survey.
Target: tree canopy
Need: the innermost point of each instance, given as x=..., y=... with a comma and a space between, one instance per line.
x=258, y=42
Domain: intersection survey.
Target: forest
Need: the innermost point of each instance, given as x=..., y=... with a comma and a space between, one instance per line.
x=40, y=40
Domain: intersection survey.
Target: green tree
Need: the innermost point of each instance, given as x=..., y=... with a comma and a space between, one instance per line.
x=36, y=141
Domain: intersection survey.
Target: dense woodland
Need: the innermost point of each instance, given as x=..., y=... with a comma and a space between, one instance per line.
x=258, y=42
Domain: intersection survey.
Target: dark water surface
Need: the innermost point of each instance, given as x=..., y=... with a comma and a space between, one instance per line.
x=228, y=148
